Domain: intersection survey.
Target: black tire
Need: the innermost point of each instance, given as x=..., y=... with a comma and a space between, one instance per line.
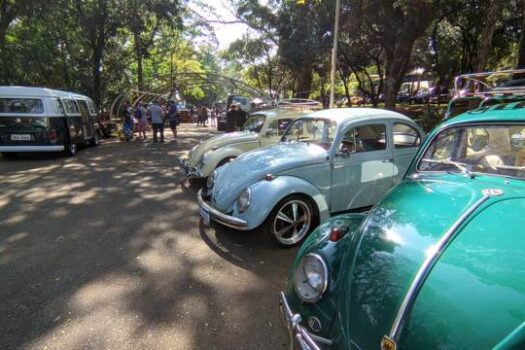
x=274, y=222
x=70, y=149
x=9, y=155
x=94, y=140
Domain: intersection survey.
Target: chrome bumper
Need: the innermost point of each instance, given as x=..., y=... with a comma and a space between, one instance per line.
x=221, y=218
x=57, y=148
x=189, y=171
x=298, y=336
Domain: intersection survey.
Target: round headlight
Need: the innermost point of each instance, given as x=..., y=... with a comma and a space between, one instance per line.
x=211, y=179
x=311, y=278
x=244, y=200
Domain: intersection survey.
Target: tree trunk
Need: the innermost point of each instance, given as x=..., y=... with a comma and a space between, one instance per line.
x=139, y=58
x=487, y=35
x=521, y=57
x=304, y=81
x=99, y=46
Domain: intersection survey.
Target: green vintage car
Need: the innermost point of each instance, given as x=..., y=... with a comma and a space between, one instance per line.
x=439, y=263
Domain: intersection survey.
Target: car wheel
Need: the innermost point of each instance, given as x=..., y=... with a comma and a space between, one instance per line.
x=94, y=140
x=291, y=221
x=71, y=149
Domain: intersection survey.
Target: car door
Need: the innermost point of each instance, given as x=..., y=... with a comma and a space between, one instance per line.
x=406, y=141
x=362, y=168
x=86, y=119
x=274, y=131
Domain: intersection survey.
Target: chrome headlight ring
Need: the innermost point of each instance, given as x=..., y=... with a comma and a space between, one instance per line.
x=244, y=200
x=311, y=278
x=210, y=182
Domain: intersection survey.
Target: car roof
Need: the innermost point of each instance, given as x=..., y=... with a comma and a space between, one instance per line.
x=512, y=111
x=282, y=113
x=25, y=91
x=343, y=115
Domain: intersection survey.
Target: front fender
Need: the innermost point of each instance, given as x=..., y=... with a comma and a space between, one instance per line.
x=266, y=195
x=213, y=158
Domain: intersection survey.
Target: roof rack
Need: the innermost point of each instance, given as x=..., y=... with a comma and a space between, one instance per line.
x=488, y=84
x=300, y=104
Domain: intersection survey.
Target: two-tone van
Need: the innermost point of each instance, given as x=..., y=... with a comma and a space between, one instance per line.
x=45, y=120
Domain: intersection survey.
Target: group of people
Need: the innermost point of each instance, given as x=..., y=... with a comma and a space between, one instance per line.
x=137, y=119
x=203, y=113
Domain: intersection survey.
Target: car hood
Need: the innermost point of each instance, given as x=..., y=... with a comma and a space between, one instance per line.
x=215, y=142
x=251, y=167
x=395, y=240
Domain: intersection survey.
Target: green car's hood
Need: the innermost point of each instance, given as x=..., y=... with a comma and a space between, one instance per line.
x=251, y=167
x=462, y=295
x=219, y=141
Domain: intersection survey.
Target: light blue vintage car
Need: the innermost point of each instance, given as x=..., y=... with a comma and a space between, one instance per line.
x=327, y=162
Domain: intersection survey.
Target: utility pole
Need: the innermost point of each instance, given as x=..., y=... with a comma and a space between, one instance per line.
x=334, y=53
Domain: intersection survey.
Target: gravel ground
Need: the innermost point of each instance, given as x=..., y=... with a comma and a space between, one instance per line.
x=105, y=250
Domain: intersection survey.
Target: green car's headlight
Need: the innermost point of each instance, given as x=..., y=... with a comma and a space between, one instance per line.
x=211, y=180
x=244, y=200
x=311, y=278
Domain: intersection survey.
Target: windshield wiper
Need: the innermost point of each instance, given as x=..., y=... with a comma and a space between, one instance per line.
x=461, y=166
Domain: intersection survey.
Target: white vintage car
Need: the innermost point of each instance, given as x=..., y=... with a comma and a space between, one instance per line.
x=262, y=128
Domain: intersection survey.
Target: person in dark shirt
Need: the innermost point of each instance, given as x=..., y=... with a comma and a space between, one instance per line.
x=235, y=118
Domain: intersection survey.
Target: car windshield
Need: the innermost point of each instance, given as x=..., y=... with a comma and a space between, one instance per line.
x=254, y=123
x=486, y=149
x=312, y=130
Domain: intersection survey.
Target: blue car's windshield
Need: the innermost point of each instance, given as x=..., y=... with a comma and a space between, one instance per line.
x=488, y=149
x=312, y=130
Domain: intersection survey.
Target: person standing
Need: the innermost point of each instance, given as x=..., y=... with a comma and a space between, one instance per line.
x=230, y=118
x=142, y=119
x=127, y=121
x=213, y=117
x=173, y=118
x=157, y=121
x=241, y=117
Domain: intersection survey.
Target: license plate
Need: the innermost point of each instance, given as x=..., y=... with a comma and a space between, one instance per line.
x=205, y=216
x=21, y=137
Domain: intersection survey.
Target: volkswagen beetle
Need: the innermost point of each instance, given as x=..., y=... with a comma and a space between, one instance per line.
x=437, y=264
x=329, y=161
x=262, y=128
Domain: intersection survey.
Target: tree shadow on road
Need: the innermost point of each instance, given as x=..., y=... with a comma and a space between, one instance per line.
x=104, y=250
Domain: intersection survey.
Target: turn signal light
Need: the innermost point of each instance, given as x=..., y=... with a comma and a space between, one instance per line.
x=269, y=177
x=338, y=232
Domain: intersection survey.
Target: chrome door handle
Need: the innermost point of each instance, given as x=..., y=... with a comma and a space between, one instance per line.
x=388, y=160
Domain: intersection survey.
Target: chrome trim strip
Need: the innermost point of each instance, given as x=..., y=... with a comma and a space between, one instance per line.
x=221, y=218
x=57, y=148
x=295, y=331
x=430, y=261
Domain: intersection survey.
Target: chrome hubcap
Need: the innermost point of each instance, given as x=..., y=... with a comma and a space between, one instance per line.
x=292, y=222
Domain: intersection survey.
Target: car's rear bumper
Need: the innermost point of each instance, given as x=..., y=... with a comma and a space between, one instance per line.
x=219, y=217
x=35, y=148
x=298, y=336
x=189, y=171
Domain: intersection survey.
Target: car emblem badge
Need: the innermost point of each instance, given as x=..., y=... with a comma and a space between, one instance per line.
x=314, y=324
x=18, y=120
x=388, y=343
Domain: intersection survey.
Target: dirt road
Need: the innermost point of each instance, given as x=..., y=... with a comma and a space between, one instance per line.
x=106, y=251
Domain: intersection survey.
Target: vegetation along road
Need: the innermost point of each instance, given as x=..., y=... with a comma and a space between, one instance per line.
x=105, y=251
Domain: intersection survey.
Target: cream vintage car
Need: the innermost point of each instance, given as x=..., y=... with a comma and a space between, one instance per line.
x=262, y=128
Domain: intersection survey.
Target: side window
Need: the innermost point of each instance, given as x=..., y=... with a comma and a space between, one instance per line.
x=71, y=107
x=278, y=127
x=59, y=107
x=365, y=138
x=405, y=136
x=92, y=108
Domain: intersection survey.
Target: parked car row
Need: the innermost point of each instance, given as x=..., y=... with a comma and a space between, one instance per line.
x=45, y=120
x=437, y=263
